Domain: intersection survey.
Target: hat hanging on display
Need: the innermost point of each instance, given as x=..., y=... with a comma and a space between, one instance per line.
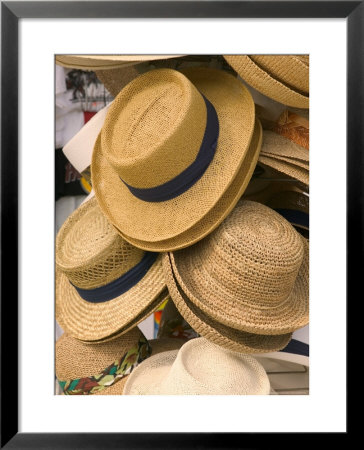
x=171, y=145
x=102, y=62
x=288, y=168
x=116, y=79
x=218, y=212
x=198, y=368
x=102, y=369
x=215, y=331
x=251, y=274
x=276, y=76
x=103, y=283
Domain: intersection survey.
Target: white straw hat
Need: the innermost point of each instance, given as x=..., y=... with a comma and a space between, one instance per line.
x=198, y=368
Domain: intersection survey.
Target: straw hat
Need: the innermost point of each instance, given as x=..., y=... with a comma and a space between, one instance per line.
x=251, y=274
x=215, y=331
x=95, y=62
x=135, y=161
x=218, y=212
x=116, y=79
x=198, y=368
x=276, y=76
x=102, y=369
x=103, y=284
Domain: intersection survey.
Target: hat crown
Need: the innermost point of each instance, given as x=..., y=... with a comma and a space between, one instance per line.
x=255, y=255
x=75, y=359
x=90, y=252
x=202, y=367
x=154, y=128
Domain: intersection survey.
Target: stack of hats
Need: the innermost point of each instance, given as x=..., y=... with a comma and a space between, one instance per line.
x=173, y=159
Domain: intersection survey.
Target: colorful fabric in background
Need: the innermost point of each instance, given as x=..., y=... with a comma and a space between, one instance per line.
x=173, y=325
x=157, y=318
x=110, y=375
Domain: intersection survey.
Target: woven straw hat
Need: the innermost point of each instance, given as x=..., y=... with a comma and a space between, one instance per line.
x=95, y=62
x=199, y=368
x=276, y=76
x=103, y=284
x=102, y=369
x=202, y=112
x=251, y=274
x=215, y=331
x=218, y=212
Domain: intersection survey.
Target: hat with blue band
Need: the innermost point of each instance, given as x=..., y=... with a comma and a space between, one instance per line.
x=171, y=145
x=103, y=283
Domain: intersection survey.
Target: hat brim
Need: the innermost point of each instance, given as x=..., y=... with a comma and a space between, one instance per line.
x=263, y=82
x=290, y=315
x=165, y=345
x=289, y=169
x=95, y=62
x=276, y=145
x=158, y=221
x=95, y=321
x=218, y=213
x=217, y=332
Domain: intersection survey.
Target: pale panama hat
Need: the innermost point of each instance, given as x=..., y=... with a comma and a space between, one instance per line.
x=102, y=369
x=102, y=62
x=150, y=191
x=198, y=368
x=251, y=274
x=104, y=285
x=284, y=78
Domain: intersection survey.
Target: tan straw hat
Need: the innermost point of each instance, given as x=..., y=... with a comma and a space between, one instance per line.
x=215, y=331
x=250, y=274
x=95, y=62
x=270, y=78
x=199, y=368
x=103, y=283
x=102, y=369
x=149, y=190
x=221, y=209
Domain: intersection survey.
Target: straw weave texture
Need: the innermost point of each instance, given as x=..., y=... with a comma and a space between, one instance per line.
x=277, y=145
x=116, y=79
x=90, y=252
x=293, y=161
x=235, y=109
x=263, y=82
x=218, y=213
x=199, y=368
x=250, y=274
x=288, y=69
x=289, y=169
x=86, y=247
x=214, y=331
x=95, y=62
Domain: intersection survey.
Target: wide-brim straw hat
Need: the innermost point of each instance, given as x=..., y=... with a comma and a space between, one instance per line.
x=219, y=211
x=215, y=331
x=157, y=113
x=102, y=369
x=95, y=62
x=264, y=81
x=199, y=368
x=250, y=274
x=103, y=283
x=290, y=169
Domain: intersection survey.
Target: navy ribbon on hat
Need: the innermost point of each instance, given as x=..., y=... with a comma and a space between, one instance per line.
x=297, y=347
x=295, y=217
x=183, y=181
x=121, y=285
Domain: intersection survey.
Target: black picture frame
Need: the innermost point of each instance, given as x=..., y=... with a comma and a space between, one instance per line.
x=11, y=12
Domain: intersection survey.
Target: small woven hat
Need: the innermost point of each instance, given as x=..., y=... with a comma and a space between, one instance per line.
x=251, y=274
x=102, y=369
x=171, y=145
x=215, y=331
x=199, y=368
x=103, y=283
x=96, y=62
x=218, y=212
x=283, y=78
